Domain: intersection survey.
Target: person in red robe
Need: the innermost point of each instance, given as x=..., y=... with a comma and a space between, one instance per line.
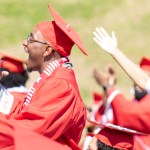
x=15, y=82
x=131, y=114
x=53, y=106
x=110, y=45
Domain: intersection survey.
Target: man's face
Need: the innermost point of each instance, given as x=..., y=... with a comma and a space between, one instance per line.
x=35, y=46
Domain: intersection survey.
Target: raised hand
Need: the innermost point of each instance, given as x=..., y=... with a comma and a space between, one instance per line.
x=104, y=40
x=100, y=77
x=106, y=77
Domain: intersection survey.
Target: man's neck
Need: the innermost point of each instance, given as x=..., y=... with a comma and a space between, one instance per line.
x=47, y=61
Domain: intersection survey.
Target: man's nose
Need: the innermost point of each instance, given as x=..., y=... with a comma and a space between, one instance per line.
x=24, y=43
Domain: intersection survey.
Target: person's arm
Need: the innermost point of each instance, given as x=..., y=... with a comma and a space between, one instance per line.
x=133, y=71
x=109, y=44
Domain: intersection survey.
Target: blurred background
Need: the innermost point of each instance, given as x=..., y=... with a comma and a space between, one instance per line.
x=130, y=20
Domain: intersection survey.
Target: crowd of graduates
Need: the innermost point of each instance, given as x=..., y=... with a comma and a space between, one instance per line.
x=52, y=115
x=123, y=112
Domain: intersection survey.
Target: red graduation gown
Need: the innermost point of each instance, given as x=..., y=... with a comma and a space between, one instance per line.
x=133, y=115
x=56, y=109
x=26, y=139
x=19, y=98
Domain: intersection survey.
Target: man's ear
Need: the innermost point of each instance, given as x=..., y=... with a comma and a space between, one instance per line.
x=47, y=51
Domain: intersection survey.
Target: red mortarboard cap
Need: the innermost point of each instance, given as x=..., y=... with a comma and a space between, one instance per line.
x=116, y=136
x=59, y=34
x=145, y=64
x=11, y=63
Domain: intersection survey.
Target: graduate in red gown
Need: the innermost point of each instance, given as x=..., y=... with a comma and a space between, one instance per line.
x=15, y=82
x=53, y=106
x=131, y=114
x=109, y=44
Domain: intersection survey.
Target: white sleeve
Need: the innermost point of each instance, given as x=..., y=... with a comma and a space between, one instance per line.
x=6, y=100
x=1, y=91
x=108, y=112
x=148, y=86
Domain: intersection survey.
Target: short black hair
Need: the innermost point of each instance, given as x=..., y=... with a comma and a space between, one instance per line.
x=14, y=79
x=102, y=146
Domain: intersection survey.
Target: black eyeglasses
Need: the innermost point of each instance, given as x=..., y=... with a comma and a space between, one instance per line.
x=30, y=40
